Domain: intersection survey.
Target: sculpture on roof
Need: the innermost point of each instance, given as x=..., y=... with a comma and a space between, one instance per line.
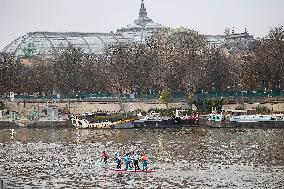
x=143, y=18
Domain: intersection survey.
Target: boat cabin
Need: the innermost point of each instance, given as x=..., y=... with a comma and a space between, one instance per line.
x=215, y=117
x=231, y=112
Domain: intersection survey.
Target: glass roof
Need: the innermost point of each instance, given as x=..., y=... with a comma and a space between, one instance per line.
x=41, y=43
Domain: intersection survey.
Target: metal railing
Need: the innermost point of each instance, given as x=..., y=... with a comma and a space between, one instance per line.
x=249, y=96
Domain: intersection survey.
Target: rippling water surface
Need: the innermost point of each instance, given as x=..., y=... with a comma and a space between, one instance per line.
x=183, y=158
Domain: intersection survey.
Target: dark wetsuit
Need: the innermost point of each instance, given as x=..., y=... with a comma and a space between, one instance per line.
x=105, y=156
x=136, y=162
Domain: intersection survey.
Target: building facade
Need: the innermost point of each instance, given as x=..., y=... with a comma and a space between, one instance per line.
x=46, y=43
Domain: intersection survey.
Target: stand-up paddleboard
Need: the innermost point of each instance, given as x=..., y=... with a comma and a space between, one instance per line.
x=104, y=165
x=133, y=171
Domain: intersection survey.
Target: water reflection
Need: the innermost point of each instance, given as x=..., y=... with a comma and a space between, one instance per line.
x=184, y=158
x=12, y=134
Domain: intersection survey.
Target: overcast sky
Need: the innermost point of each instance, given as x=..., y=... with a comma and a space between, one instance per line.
x=19, y=17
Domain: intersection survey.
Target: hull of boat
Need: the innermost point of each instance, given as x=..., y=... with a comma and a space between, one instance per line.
x=127, y=125
x=264, y=124
x=172, y=123
x=8, y=124
x=83, y=124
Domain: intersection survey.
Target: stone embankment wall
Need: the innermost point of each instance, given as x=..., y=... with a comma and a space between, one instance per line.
x=274, y=107
x=82, y=107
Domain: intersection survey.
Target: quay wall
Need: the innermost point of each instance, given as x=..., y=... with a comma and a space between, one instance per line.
x=79, y=107
x=82, y=107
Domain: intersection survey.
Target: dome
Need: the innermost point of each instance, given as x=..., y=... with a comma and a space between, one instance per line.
x=48, y=43
x=44, y=43
x=153, y=25
x=142, y=28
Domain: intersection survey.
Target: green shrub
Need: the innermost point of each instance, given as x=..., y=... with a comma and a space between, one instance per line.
x=262, y=110
x=240, y=108
x=166, y=97
x=2, y=105
x=205, y=105
x=144, y=113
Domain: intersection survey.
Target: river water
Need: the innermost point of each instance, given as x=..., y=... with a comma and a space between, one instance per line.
x=183, y=158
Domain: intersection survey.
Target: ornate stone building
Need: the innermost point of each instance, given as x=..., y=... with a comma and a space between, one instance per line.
x=142, y=28
x=45, y=43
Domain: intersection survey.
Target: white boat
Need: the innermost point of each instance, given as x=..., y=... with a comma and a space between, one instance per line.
x=247, y=121
x=217, y=120
x=85, y=124
x=251, y=118
x=278, y=117
x=155, y=120
x=215, y=117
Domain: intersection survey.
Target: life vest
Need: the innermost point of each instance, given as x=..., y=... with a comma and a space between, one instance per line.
x=127, y=158
x=104, y=155
x=144, y=158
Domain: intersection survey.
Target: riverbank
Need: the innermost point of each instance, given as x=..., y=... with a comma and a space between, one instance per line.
x=6, y=123
x=79, y=107
x=24, y=110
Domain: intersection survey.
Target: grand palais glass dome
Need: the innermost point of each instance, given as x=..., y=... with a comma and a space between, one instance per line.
x=43, y=43
x=46, y=43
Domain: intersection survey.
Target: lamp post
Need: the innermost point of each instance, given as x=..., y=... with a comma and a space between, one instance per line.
x=191, y=92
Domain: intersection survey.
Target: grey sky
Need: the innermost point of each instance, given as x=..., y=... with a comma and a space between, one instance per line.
x=18, y=17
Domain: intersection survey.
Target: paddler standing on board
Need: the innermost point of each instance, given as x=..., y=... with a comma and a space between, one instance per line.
x=136, y=161
x=145, y=162
x=127, y=161
x=117, y=160
x=104, y=156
